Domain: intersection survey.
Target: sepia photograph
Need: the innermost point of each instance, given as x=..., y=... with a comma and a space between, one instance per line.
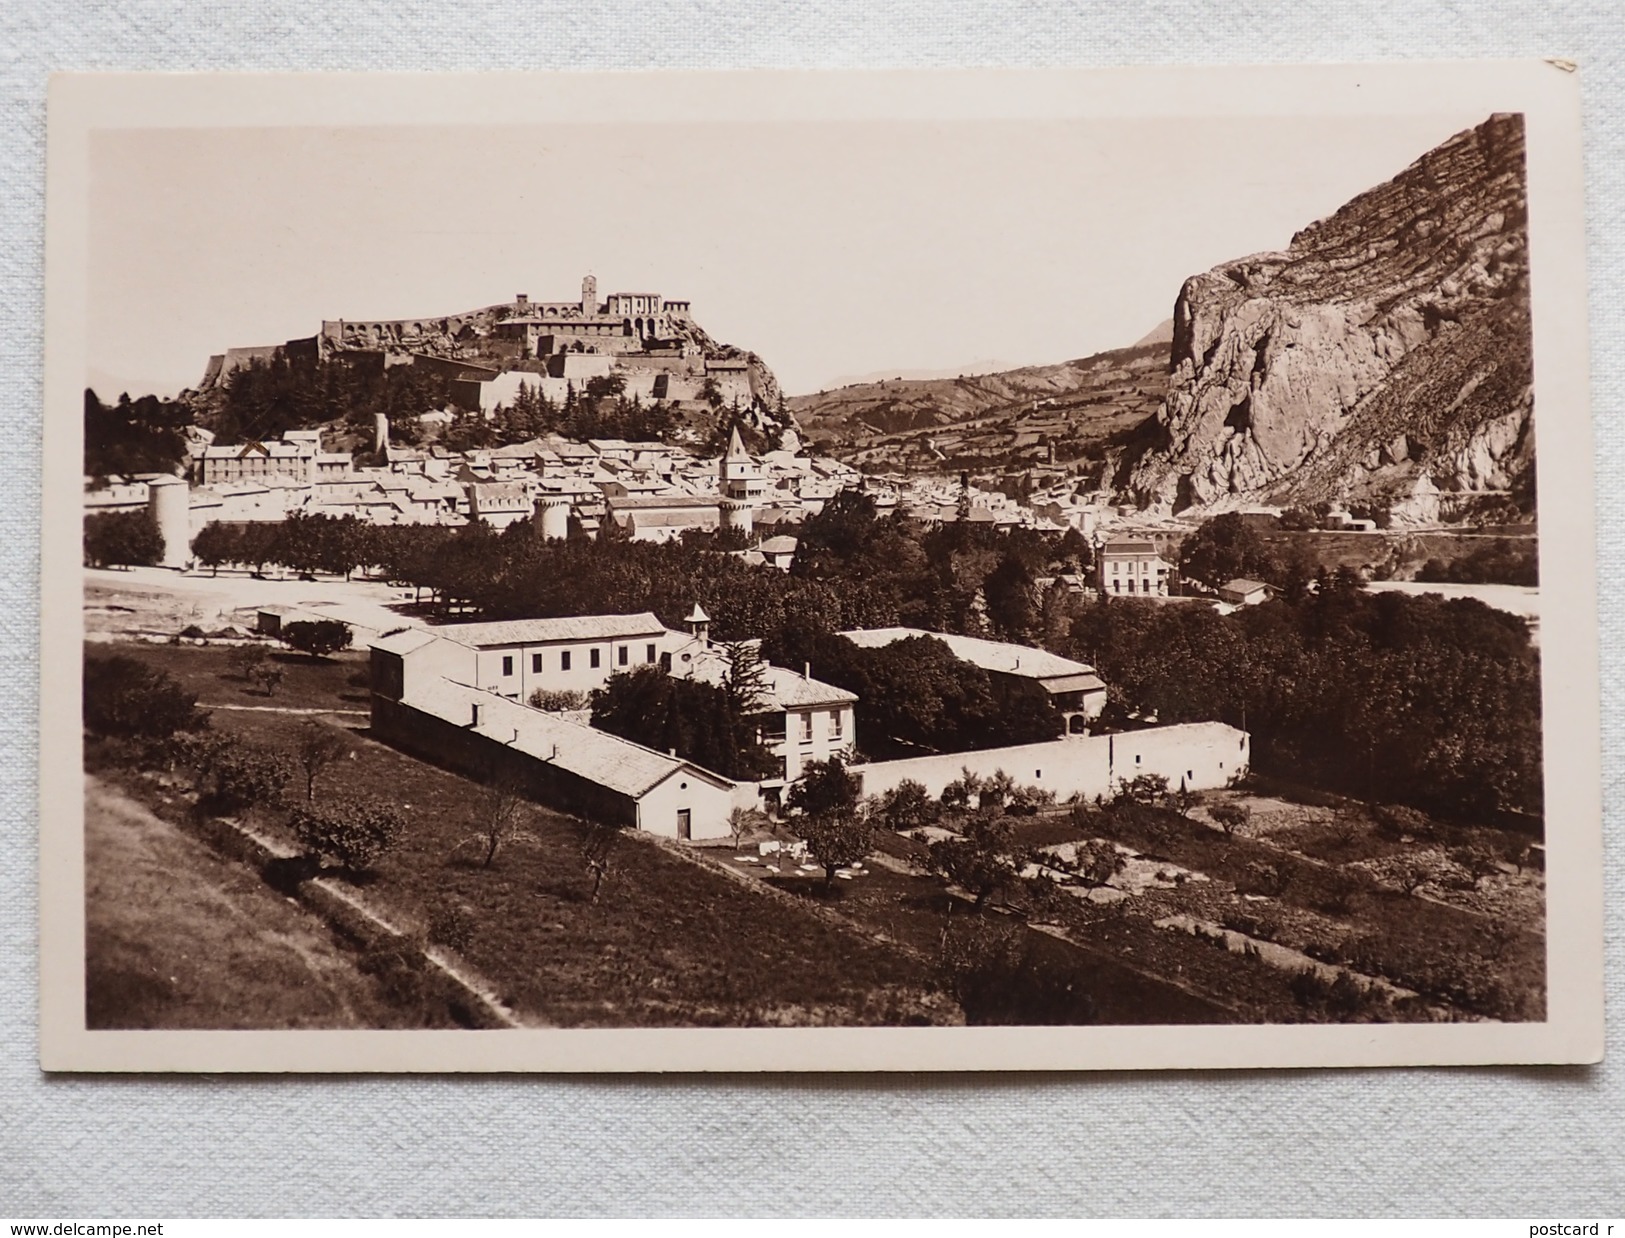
x=819, y=572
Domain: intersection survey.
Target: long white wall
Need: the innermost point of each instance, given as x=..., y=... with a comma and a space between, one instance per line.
x=1203, y=755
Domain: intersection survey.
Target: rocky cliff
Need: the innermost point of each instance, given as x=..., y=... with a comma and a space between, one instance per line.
x=1384, y=355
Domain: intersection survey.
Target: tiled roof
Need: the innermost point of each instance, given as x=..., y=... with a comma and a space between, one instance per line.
x=541, y=631
x=594, y=755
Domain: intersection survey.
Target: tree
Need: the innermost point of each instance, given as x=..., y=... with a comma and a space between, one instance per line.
x=907, y=806
x=826, y=789
x=125, y=697
x=1142, y=789
x=982, y=859
x=836, y=839
x=741, y=821
x=319, y=745
x=246, y=660
x=599, y=842
x=962, y=790
x=216, y=545
x=1095, y=862
x=696, y=719
x=354, y=833
x=130, y=539
x=502, y=812
x=1222, y=549
x=268, y=675
x=317, y=637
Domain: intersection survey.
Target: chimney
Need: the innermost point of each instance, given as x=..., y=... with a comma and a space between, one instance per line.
x=806, y=670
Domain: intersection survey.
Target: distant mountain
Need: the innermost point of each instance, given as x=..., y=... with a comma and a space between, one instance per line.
x=968, y=370
x=1074, y=410
x=1385, y=354
x=1162, y=333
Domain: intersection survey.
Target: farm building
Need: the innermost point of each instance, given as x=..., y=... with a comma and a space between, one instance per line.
x=420, y=705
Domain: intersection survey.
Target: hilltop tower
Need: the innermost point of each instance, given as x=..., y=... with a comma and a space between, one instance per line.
x=589, y=296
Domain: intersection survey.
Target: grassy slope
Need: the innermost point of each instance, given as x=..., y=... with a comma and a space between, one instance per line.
x=178, y=937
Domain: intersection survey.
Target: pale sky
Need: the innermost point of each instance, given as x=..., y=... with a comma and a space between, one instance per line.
x=830, y=249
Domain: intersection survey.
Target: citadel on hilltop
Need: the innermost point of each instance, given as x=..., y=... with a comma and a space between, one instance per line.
x=653, y=344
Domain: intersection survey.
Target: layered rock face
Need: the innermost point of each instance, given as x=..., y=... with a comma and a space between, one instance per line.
x=1383, y=356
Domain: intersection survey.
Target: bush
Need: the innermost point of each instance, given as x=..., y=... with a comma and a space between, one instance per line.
x=1343, y=997
x=1230, y=816
x=558, y=701
x=355, y=834
x=242, y=776
x=451, y=925
x=318, y=637
x=123, y=696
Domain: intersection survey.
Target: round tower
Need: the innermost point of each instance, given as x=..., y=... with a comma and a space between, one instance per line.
x=737, y=514
x=169, y=499
x=553, y=517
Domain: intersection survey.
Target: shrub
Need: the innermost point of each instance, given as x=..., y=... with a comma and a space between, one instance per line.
x=243, y=776
x=1396, y=821
x=317, y=637
x=557, y=701
x=1096, y=862
x=1341, y=892
x=353, y=833
x=451, y=925
x=1230, y=816
x=1027, y=801
x=1343, y=997
x=125, y=697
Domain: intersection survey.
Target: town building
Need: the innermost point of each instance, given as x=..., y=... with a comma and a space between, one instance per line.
x=1131, y=567
x=798, y=718
x=516, y=657
x=1242, y=592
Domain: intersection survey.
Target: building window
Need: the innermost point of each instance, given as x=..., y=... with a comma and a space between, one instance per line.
x=536, y=663
x=593, y=658
x=835, y=724
x=623, y=654
x=1136, y=758
x=564, y=659
x=806, y=727
x=507, y=665
x=649, y=653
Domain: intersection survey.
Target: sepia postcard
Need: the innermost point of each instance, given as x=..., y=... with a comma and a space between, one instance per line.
x=819, y=571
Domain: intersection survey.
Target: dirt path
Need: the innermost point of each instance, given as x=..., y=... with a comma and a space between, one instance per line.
x=178, y=937
x=284, y=709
